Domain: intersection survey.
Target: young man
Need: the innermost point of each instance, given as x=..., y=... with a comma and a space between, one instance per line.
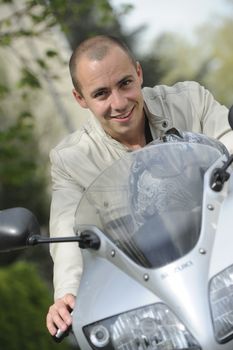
x=108, y=81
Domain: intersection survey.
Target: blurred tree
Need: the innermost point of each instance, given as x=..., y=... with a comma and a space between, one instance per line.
x=207, y=60
x=24, y=302
x=218, y=59
x=152, y=69
x=81, y=19
x=176, y=57
x=22, y=177
x=23, y=167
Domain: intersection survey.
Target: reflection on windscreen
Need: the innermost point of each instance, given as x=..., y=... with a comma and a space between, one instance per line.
x=150, y=202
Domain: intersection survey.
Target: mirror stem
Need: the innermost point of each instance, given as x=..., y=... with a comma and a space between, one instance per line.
x=37, y=239
x=87, y=239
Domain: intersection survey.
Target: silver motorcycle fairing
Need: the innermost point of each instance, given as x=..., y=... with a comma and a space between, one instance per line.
x=113, y=283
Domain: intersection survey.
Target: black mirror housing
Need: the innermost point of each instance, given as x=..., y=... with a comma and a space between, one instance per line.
x=16, y=226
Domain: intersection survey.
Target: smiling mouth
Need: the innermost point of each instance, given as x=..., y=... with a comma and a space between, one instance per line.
x=123, y=116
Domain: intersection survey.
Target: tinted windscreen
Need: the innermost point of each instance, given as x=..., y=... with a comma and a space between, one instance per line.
x=150, y=202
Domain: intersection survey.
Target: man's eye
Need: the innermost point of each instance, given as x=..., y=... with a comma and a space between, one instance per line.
x=126, y=82
x=100, y=94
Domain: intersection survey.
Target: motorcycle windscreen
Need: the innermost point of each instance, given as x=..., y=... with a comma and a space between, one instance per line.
x=149, y=203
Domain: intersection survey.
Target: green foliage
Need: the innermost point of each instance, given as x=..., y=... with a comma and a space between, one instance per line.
x=51, y=53
x=23, y=175
x=23, y=308
x=207, y=60
x=219, y=59
x=14, y=141
x=29, y=79
x=22, y=179
x=152, y=70
x=81, y=19
x=3, y=90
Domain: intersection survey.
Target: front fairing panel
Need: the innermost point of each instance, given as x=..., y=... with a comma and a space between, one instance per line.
x=125, y=199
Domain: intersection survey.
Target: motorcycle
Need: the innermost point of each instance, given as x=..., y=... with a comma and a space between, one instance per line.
x=155, y=229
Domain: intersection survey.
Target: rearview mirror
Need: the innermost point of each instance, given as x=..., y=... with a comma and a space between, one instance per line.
x=16, y=226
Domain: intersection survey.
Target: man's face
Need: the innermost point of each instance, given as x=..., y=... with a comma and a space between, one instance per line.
x=111, y=89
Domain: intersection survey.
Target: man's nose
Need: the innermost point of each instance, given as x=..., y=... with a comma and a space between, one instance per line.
x=118, y=101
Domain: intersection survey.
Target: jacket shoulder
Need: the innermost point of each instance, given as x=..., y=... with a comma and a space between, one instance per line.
x=70, y=140
x=163, y=91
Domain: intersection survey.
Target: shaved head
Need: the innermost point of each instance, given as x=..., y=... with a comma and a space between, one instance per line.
x=95, y=49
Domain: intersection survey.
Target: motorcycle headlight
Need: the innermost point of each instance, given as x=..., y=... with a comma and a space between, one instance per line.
x=221, y=301
x=152, y=327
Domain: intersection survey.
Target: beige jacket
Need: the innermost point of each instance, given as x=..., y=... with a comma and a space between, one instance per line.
x=81, y=156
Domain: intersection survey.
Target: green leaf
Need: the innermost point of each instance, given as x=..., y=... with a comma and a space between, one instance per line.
x=51, y=53
x=42, y=63
x=5, y=40
x=6, y=1
x=29, y=79
x=3, y=90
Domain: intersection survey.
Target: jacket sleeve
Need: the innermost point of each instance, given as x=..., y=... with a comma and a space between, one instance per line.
x=212, y=115
x=66, y=256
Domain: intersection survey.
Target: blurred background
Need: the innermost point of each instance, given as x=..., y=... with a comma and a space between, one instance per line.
x=174, y=40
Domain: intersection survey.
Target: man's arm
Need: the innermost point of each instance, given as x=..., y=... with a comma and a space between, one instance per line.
x=66, y=194
x=66, y=256
x=212, y=115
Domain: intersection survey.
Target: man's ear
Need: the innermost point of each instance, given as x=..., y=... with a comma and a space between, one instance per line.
x=139, y=72
x=79, y=98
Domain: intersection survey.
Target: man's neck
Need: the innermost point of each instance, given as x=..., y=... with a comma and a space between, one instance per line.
x=136, y=145
x=143, y=139
x=136, y=140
